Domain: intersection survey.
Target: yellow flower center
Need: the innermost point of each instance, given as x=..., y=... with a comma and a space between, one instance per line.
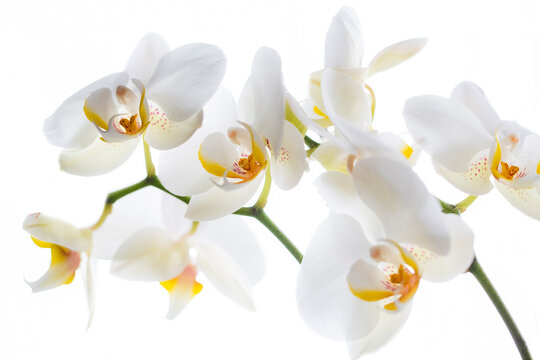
x=129, y=126
x=508, y=172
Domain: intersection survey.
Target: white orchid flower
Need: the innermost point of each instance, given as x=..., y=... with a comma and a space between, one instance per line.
x=263, y=103
x=67, y=244
x=344, y=50
x=169, y=249
x=160, y=94
x=227, y=166
x=471, y=147
x=353, y=134
x=364, y=264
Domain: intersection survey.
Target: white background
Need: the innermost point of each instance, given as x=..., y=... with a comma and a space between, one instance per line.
x=50, y=49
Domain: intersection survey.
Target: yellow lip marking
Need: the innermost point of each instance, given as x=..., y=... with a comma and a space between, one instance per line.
x=407, y=282
x=407, y=151
x=507, y=172
x=59, y=254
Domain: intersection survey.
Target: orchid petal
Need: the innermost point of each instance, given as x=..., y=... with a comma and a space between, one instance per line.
x=146, y=56
x=224, y=273
x=345, y=99
x=395, y=54
x=460, y=257
x=475, y=180
x=98, y=158
x=344, y=47
x=324, y=300
x=185, y=79
x=58, y=232
x=232, y=235
x=151, y=254
x=262, y=102
x=390, y=322
x=64, y=263
x=68, y=127
x=181, y=171
x=473, y=97
x=289, y=166
x=407, y=211
x=164, y=134
x=337, y=190
x=331, y=156
x=367, y=281
x=216, y=202
x=450, y=132
x=523, y=199
x=181, y=290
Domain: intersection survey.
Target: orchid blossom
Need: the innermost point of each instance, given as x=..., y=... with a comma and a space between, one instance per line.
x=160, y=95
x=364, y=264
x=228, y=165
x=67, y=244
x=169, y=249
x=471, y=147
x=343, y=52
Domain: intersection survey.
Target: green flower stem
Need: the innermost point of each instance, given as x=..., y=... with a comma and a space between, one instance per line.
x=264, y=219
x=252, y=211
x=261, y=201
x=465, y=203
x=150, y=168
x=477, y=271
x=312, y=144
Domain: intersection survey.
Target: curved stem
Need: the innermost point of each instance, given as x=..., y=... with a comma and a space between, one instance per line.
x=150, y=168
x=261, y=201
x=477, y=271
x=264, y=219
x=253, y=211
x=465, y=203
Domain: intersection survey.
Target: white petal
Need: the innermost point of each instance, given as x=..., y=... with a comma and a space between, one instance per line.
x=473, y=97
x=97, y=158
x=220, y=113
x=460, y=257
x=68, y=127
x=289, y=166
x=151, y=254
x=395, y=54
x=390, y=322
x=331, y=156
x=99, y=107
x=164, y=134
x=185, y=79
x=224, y=273
x=180, y=169
x=475, y=180
x=344, y=47
x=337, y=190
x=366, y=276
x=217, y=154
x=144, y=59
x=56, y=231
x=345, y=100
x=216, y=202
x=315, y=89
x=324, y=300
x=232, y=235
x=89, y=282
x=181, y=290
x=57, y=274
x=525, y=200
x=262, y=102
x=446, y=129
x=407, y=211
